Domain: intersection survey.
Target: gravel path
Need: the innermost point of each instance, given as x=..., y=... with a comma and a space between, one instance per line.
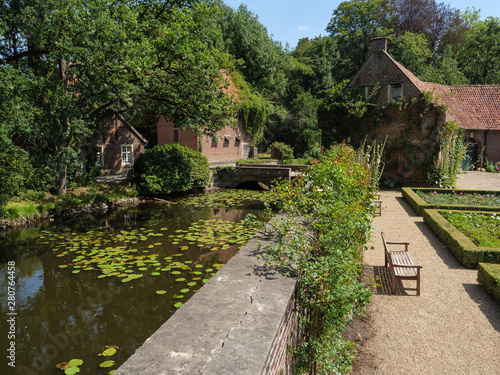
x=452, y=328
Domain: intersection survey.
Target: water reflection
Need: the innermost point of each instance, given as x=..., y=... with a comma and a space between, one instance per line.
x=64, y=315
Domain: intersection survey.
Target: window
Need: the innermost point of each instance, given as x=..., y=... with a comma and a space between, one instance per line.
x=176, y=135
x=99, y=162
x=395, y=92
x=126, y=154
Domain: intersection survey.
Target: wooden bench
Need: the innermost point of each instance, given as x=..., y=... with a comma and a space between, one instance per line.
x=401, y=265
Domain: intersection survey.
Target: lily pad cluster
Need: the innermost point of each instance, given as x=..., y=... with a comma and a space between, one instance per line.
x=215, y=234
x=228, y=198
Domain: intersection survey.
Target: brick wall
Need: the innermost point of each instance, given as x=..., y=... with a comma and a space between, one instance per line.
x=493, y=146
x=228, y=149
x=117, y=134
x=279, y=361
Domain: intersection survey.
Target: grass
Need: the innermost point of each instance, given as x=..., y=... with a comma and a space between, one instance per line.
x=483, y=229
x=78, y=197
x=459, y=198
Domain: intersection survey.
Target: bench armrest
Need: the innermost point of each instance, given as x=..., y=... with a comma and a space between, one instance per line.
x=396, y=243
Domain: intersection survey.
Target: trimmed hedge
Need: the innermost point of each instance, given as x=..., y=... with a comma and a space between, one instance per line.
x=466, y=252
x=488, y=276
x=419, y=205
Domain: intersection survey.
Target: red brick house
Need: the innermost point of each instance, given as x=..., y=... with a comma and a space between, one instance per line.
x=225, y=147
x=474, y=108
x=118, y=145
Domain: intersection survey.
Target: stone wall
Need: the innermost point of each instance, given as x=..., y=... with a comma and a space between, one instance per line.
x=240, y=322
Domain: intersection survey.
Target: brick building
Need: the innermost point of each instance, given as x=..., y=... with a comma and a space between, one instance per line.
x=225, y=147
x=413, y=137
x=118, y=145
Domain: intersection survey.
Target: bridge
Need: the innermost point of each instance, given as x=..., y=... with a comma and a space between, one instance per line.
x=262, y=174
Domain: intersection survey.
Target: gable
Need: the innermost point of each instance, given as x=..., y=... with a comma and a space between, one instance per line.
x=471, y=106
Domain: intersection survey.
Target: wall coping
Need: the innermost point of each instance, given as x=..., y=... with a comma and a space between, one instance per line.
x=227, y=327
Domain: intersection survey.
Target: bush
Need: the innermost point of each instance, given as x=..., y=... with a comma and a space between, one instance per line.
x=170, y=168
x=15, y=171
x=321, y=240
x=281, y=151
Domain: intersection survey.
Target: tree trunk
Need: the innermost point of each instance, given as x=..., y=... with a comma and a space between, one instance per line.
x=63, y=173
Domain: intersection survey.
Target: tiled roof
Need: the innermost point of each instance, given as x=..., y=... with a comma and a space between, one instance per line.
x=471, y=106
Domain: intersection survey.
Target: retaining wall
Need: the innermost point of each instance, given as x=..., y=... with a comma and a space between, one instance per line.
x=241, y=321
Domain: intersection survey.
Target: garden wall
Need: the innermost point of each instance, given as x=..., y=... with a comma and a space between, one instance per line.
x=242, y=321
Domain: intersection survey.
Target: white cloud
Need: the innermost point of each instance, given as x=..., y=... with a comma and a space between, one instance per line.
x=303, y=28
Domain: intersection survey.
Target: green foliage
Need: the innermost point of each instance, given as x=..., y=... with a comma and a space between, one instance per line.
x=321, y=237
x=15, y=172
x=170, y=168
x=488, y=275
x=413, y=52
x=480, y=54
x=482, y=229
x=263, y=61
x=444, y=170
x=459, y=198
x=285, y=154
x=68, y=64
x=252, y=109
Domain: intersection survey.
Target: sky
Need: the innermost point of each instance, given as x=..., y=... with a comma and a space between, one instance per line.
x=287, y=21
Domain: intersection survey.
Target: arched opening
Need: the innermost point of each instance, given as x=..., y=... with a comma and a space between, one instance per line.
x=470, y=158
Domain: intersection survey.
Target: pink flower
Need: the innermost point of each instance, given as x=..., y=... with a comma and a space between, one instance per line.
x=426, y=197
x=453, y=191
x=435, y=192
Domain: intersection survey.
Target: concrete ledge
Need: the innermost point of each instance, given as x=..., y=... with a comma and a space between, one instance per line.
x=227, y=327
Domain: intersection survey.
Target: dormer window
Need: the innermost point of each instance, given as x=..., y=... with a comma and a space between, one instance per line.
x=395, y=92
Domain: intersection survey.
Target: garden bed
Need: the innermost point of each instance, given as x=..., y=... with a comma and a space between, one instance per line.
x=449, y=199
x=488, y=276
x=461, y=246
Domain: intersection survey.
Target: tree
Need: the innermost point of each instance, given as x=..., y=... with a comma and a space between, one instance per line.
x=321, y=56
x=354, y=23
x=425, y=17
x=412, y=50
x=80, y=61
x=480, y=56
x=263, y=61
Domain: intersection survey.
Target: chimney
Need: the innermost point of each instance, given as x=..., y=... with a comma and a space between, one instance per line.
x=379, y=44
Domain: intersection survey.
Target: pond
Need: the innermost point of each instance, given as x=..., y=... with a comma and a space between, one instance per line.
x=94, y=289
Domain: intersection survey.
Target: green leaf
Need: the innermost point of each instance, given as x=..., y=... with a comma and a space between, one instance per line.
x=107, y=364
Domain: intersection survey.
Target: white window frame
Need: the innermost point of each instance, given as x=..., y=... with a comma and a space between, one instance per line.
x=127, y=154
x=99, y=157
x=390, y=96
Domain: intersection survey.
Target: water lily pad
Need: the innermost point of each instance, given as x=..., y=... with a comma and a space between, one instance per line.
x=178, y=304
x=107, y=364
x=180, y=279
x=72, y=370
x=185, y=290
x=155, y=273
x=191, y=283
x=75, y=362
x=161, y=292
x=109, y=352
x=178, y=296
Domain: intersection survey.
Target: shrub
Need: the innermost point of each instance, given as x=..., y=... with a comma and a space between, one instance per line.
x=170, y=168
x=15, y=172
x=321, y=241
x=284, y=152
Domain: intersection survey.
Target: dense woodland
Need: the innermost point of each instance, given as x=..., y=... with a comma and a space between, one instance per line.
x=67, y=64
